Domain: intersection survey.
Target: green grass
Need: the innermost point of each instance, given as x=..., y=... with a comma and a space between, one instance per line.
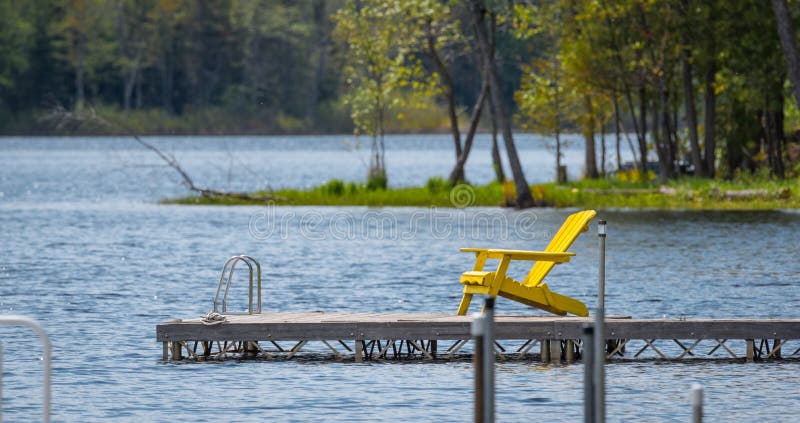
x=685, y=193
x=338, y=193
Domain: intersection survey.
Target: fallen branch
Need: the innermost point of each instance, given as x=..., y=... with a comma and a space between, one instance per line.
x=62, y=119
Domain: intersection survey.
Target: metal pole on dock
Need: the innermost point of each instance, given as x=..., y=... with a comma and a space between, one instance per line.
x=599, y=331
x=488, y=357
x=481, y=330
x=476, y=330
x=1, y=381
x=588, y=373
x=697, y=403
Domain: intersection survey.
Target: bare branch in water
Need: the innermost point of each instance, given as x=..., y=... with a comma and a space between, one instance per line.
x=66, y=120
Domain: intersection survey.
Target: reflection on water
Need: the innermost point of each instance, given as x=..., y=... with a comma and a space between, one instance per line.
x=89, y=254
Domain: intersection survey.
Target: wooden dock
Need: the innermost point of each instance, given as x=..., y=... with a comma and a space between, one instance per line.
x=423, y=337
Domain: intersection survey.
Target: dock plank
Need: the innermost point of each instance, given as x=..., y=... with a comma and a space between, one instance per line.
x=309, y=326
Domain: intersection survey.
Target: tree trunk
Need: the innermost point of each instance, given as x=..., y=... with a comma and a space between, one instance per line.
x=602, y=151
x=773, y=134
x=128, y=85
x=786, y=34
x=167, y=68
x=642, y=138
x=80, y=92
x=691, y=115
x=321, y=20
x=457, y=174
x=617, y=131
x=139, y=91
x=641, y=131
x=710, y=118
x=670, y=148
x=663, y=166
x=497, y=162
x=588, y=135
x=447, y=83
x=478, y=14
x=560, y=177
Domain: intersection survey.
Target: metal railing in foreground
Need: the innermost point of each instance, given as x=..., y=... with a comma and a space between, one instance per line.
x=14, y=320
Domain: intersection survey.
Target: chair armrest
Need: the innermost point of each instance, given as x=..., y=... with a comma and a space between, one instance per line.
x=473, y=250
x=530, y=255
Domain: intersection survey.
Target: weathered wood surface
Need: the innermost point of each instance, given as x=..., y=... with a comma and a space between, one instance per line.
x=319, y=326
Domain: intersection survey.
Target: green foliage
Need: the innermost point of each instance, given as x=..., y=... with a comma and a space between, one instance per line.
x=256, y=66
x=16, y=38
x=334, y=187
x=684, y=193
x=377, y=180
x=437, y=184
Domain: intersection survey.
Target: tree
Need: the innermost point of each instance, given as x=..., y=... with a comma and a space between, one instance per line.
x=16, y=39
x=786, y=33
x=688, y=87
x=131, y=26
x=542, y=98
x=85, y=39
x=374, y=73
x=477, y=12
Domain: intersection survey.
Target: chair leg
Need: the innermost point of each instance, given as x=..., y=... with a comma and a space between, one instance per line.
x=464, y=306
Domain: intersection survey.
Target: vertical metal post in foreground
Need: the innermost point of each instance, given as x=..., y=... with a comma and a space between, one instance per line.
x=482, y=329
x=488, y=357
x=599, y=331
x=697, y=403
x=36, y=327
x=588, y=373
x=1, y=381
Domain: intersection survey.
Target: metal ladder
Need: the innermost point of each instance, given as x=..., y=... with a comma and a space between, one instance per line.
x=232, y=262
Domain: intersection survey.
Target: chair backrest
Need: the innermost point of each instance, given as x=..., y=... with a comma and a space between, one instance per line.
x=575, y=225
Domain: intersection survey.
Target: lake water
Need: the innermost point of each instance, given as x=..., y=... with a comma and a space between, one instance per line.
x=86, y=250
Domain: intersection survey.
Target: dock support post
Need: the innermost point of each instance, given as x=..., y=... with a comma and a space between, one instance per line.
x=359, y=350
x=697, y=403
x=776, y=348
x=555, y=349
x=250, y=349
x=176, y=351
x=751, y=347
x=588, y=373
x=165, y=350
x=570, y=353
x=545, y=348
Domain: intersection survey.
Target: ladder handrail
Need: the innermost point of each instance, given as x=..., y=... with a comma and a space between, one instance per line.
x=230, y=279
x=258, y=270
x=232, y=262
x=17, y=320
x=221, y=278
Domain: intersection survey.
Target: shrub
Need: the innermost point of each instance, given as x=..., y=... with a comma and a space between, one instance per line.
x=436, y=184
x=334, y=187
x=377, y=180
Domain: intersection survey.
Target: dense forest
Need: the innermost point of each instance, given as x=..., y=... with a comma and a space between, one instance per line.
x=705, y=86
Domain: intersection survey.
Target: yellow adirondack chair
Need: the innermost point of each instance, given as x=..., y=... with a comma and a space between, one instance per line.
x=531, y=290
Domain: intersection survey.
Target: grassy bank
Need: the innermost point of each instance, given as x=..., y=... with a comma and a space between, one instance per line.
x=687, y=193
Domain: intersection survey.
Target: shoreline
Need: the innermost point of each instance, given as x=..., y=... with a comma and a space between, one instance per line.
x=682, y=194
